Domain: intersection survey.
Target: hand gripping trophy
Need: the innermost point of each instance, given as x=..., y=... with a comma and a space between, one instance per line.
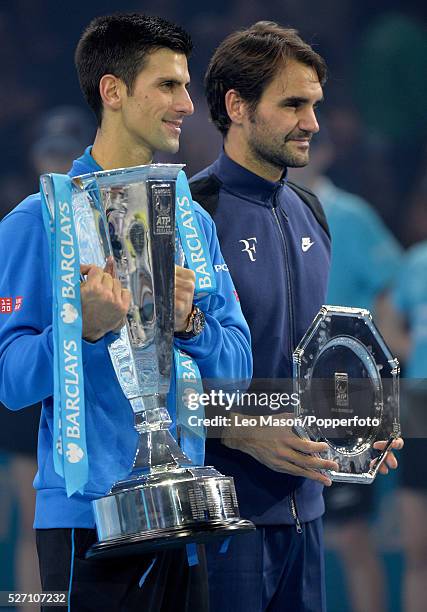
x=166, y=500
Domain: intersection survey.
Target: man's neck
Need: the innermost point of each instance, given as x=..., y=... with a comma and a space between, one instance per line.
x=240, y=153
x=109, y=151
x=305, y=176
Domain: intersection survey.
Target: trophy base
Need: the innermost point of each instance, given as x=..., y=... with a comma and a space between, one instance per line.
x=364, y=478
x=157, y=540
x=367, y=476
x=165, y=509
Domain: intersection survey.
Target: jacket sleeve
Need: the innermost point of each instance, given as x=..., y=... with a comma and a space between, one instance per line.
x=223, y=350
x=26, y=339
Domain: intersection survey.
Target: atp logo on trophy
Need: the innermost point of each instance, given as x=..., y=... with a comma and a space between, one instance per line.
x=161, y=197
x=341, y=389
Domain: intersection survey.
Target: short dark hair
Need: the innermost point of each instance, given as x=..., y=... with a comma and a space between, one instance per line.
x=248, y=60
x=119, y=44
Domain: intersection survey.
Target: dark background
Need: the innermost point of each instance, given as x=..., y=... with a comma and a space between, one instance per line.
x=374, y=99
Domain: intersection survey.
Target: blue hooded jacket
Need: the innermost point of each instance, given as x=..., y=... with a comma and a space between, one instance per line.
x=26, y=350
x=277, y=247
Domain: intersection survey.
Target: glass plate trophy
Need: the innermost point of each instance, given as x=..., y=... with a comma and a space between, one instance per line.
x=166, y=500
x=348, y=387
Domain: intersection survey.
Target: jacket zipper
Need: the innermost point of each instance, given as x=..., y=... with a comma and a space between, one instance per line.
x=293, y=504
x=288, y=275
x=292, y=500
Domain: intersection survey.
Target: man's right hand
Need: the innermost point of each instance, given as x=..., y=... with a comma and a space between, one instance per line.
x=104, y=303
x=281, y=450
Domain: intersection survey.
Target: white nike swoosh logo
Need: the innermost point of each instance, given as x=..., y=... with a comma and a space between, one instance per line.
x=305, y=247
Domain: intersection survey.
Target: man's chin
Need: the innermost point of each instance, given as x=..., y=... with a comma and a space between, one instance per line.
x=297, y=164
x=298, y=161
x=170, y=146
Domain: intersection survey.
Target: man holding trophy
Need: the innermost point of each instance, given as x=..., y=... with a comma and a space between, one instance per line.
x=133, y=73
x=263, y=85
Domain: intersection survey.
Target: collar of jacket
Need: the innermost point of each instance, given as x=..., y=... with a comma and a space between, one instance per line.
x=85, y=164
x=239, y=180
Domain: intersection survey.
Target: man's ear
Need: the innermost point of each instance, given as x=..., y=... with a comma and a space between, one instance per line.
x=236, y=107
x=111, y=90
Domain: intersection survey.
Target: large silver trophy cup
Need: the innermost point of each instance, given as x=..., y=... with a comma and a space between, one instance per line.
x=129, y=214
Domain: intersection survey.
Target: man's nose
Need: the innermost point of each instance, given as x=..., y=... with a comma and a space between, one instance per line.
x=184, y=104
x=308, y=122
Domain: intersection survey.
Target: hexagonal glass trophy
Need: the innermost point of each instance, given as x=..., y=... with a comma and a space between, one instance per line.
x=348, y=387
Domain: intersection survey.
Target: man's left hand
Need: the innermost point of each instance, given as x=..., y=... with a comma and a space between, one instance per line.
x=185, y=283
x=390, y=460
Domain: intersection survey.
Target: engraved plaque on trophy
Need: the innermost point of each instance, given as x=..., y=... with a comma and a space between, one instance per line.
x=166, y=500
x=348, y=388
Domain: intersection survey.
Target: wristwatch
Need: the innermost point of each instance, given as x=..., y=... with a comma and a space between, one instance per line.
x=195, y=326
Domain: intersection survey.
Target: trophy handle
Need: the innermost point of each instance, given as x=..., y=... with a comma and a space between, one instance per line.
x=378, y=461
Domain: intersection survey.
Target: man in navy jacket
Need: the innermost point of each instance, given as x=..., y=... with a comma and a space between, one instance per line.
x=263, y=85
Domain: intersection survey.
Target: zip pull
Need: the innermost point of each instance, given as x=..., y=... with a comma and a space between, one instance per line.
x=294, y=513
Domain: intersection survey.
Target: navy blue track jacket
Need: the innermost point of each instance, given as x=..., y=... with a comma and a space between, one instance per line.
x=277, y=248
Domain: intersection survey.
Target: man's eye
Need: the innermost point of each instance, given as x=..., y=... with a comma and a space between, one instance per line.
x=292, y=103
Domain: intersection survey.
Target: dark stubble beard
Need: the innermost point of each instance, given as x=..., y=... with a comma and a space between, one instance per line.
x=277, y=157
x=275, y=153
